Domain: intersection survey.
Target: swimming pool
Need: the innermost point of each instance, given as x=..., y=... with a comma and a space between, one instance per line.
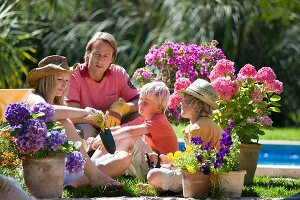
x=280, y=153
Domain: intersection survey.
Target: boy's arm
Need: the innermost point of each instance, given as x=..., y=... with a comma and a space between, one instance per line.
x=130, y=131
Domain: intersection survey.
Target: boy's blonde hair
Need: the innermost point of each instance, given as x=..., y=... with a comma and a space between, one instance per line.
x=157, y=92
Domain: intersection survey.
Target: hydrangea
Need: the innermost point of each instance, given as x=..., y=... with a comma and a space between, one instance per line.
x=75, y=163
x=248, y=98
x=38, y=135
x=46, y=109
x=54, y=140
x=16, y=114
x=31, y=137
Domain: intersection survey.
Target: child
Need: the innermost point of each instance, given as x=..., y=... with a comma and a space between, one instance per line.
x=150, y=132
x=199, y=100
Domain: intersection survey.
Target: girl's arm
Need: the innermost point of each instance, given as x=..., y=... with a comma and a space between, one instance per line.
x=130, y=131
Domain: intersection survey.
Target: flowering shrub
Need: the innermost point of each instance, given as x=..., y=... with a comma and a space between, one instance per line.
x=33, y=133
x=248, y=98
x=198, y=157
x=178, y=64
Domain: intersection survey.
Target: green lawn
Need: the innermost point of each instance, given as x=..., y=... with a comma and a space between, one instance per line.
x=289, y=134
x=262, y=187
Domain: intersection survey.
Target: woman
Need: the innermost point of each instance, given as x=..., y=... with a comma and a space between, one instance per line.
x=50, y=81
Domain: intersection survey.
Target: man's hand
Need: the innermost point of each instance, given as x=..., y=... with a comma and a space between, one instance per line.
x=115, y=113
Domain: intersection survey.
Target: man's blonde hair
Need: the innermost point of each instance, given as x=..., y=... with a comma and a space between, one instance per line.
x=104, y=36
x=46, y=89
x=158, y=92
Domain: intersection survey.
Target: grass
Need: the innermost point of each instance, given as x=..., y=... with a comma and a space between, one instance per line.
x=288, y=134
x=262, y=187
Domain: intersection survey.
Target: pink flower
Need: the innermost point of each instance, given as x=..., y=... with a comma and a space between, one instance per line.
x=222, y=68
x=225, y=87
x=250, y=120
x=275, y=86
x=259, y=112
x=265, y=75
x=257, y=96
x=266, y=120
x=248, y=71
x=175, y=100
x=181, y=83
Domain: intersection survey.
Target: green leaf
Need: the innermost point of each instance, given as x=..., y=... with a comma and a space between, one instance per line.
x=273, y=103
x=275, y=98
x=274, y=109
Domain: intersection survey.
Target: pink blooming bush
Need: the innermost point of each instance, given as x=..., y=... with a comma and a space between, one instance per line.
x=178, y=64
x=247, y=99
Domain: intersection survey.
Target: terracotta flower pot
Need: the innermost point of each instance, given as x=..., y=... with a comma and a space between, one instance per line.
x=44, y=177
x=195, y=185
x=248, y=158
x=232, y=183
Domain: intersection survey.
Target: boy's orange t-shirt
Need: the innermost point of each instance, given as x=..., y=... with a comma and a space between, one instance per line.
x=161, y=136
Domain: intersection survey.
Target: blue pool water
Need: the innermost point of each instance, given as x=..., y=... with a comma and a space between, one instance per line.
x=274, y=154
x=279, y=154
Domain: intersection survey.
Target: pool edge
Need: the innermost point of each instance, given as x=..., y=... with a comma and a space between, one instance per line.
x=283, y=171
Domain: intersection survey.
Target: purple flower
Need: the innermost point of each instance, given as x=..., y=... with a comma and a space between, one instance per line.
x=45, y=108
x=31, y=136
x=196, y=140
x=207, y=146
x=54, y=140
x=17, y=114
x=75, y=163
x=205, y=168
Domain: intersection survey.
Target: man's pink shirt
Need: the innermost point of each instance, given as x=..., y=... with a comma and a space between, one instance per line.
x=88, y=93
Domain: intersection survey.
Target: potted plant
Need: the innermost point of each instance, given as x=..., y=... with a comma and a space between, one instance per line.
x=41, y=144
x=248, y=99
x=199, y=161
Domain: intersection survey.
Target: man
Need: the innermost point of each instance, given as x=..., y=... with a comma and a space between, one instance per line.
x=100, y=84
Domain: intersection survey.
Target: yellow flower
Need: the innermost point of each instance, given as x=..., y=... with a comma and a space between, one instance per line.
x=171, y=156
x=188, y=149
x=177, y=154
x=190, y=169
x=4, y=162
x=174, y=156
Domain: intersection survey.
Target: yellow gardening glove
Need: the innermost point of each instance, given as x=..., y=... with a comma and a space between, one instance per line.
x=115, y=113
x=98, y=117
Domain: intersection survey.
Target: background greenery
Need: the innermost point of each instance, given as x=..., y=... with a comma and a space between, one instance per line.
x=260, y=32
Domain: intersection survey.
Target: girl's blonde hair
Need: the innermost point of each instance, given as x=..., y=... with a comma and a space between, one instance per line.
x=200, y=108
x=46, y=89
x=104, y=36
x=157, y=92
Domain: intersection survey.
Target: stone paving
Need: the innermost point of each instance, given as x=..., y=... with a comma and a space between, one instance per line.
x=294, y=197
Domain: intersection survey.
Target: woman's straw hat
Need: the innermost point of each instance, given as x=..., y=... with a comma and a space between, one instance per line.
x=48, y=66
x=202, y=90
